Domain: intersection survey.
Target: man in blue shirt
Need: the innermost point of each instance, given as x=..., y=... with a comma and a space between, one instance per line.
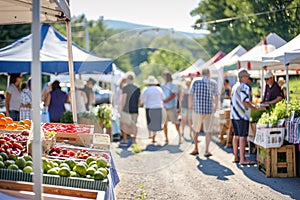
x=203, y=101
x=170, y=91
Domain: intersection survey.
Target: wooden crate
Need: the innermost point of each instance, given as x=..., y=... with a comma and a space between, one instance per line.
x=277, y=162
x=75, y=138
x=21, y=190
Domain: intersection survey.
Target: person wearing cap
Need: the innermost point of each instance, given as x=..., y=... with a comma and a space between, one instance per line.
x=26, y=101
x=89, y=93
x=80, y=96
x=273, y=93
x=170, y=103
x=130, y=109
x=240, y=116
x=152, y=98
x=203, y=101
x=281, y=83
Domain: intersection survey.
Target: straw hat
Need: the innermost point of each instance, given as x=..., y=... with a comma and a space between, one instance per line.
x=151, y=80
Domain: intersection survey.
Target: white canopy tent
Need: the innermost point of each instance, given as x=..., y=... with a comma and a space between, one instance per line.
x=252, y=60
x=293, y=57
x=228, y=60
x=283, y=56
x=113, y=77
x=27, y=11
x=195, y=69
x=20, y=11
x=190, y=70
x=286, y=57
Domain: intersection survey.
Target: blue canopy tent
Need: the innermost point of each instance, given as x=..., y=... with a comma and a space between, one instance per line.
x=16, y=57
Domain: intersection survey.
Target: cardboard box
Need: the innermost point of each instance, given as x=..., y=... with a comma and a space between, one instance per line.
x=277, y=162
x=101, y=141
x=269, y=137
x=47, y=144
x=79, y=139
x=75, y=182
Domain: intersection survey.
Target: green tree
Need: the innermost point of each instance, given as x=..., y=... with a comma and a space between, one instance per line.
x=10, y=33
x=249, y=29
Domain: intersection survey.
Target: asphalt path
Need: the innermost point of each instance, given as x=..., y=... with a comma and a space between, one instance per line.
x=167, y=171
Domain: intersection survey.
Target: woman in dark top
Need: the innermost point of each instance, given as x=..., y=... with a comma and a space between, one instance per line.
x=56, y=102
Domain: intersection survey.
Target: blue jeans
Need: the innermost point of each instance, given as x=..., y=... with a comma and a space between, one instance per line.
x=15, y=115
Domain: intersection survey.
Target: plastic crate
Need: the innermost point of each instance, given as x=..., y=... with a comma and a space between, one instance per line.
x=269, y=137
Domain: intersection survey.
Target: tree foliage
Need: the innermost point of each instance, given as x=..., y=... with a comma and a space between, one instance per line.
x=250, y=28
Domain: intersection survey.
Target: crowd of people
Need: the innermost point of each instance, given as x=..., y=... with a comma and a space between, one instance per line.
x=194, y=105
x=18, y=98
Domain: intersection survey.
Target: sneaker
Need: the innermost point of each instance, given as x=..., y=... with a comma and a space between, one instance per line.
x=123, y=144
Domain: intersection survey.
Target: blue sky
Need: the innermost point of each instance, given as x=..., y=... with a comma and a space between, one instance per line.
x=160, y=13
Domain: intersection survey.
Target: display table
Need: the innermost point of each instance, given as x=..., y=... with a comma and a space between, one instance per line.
x=12, y=188
x=113, y=179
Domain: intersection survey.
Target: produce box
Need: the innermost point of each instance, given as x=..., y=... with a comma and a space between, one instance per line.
x=269, y=137
x=277, y=162
x=77, y=153
x=101, y=141
x=75, y=139
x=47, y=144
x=75, y=134
x=83, y=183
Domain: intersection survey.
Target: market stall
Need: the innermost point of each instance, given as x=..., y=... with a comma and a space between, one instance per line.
x=277, y=130
x=51, y=11
x=74, y=157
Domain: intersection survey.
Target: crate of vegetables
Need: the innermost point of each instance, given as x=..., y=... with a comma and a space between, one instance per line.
x=75, y=134
x=269, y=137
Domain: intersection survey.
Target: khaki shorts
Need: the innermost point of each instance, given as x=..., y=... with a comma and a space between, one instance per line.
x=128, y=123
x=207, y=120
x=172, y=115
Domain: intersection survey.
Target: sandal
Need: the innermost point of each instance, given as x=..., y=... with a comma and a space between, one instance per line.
x=207, y=154
x=248, y=162
x=194, y=153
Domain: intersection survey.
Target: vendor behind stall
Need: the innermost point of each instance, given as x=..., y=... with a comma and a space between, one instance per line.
x=273, y=92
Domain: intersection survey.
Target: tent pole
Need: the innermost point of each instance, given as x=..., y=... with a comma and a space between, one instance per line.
x=262, y=84
x=71, y=71
x=287, y=83
x=36, y=94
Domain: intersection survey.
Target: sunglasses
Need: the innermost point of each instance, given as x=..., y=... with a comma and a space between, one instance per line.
x=267, y=79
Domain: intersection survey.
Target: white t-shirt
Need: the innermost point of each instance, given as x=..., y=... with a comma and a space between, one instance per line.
x=152, y=97
x=14, y=103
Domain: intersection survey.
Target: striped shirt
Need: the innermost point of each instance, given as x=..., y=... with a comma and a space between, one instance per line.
x=204, y=91
x=240, y=93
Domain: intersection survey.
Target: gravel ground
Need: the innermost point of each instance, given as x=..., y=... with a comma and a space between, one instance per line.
x=163, y=171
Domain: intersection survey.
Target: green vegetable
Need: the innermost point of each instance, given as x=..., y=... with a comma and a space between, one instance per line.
x=104, y=113
x=67, y=118
x=280, y=110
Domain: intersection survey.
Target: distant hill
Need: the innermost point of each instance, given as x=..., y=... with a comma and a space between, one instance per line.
x=122, y=25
